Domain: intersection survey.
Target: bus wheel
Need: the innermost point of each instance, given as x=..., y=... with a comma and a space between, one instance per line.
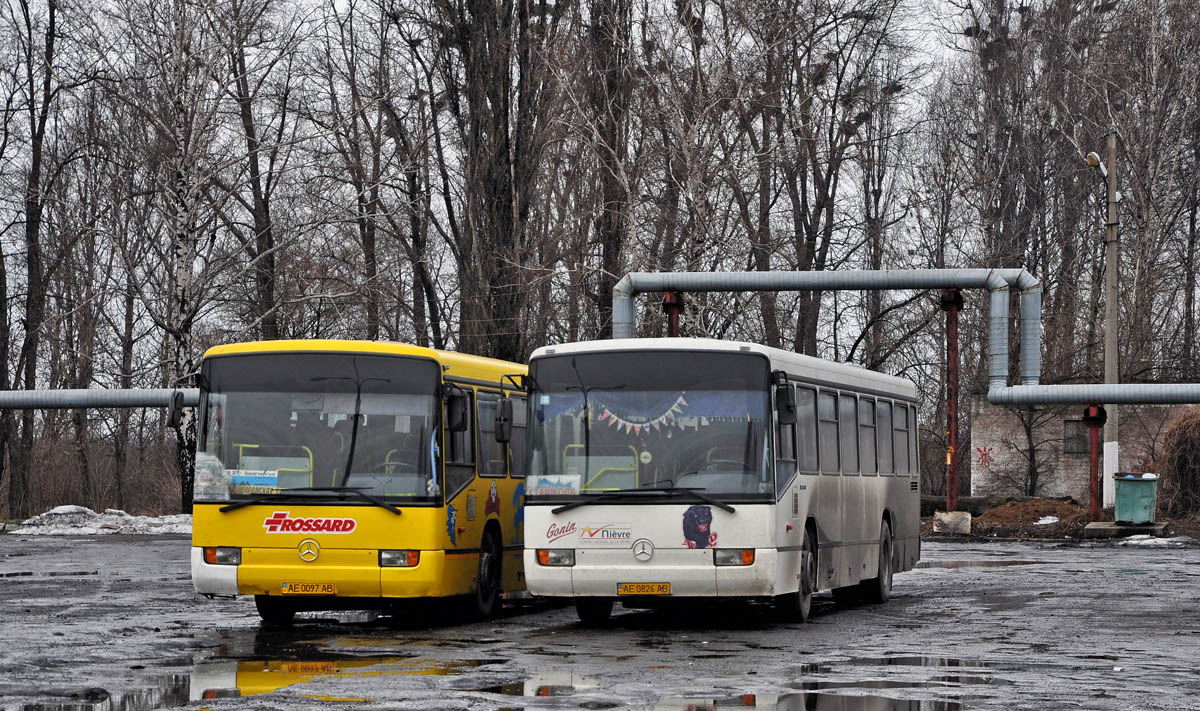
x=880, y=589
x=487, y=581
x=798, y=605
x=593, y=611
x=274, y=610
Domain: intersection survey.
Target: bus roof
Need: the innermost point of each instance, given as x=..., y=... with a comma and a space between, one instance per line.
x=800, y=367
x=460, y=364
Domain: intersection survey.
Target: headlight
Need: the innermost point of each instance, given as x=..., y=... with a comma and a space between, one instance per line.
x=399, y=559
x=733, y=556
x=556, y=556
x=223, y=556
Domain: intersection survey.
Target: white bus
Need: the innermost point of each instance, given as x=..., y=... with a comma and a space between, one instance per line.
x=671, y=467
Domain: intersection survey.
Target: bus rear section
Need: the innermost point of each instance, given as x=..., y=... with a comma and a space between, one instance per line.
x=674, y=468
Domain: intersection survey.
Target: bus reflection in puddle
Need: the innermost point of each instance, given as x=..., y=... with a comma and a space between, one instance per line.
x=807, y=702
x=224, y=679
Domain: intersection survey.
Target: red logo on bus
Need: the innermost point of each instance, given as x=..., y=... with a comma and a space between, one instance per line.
x=280, y=522
x=555, y=532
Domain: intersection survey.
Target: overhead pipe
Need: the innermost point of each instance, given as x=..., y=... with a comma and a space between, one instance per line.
x=95, y=398
x=998, y=282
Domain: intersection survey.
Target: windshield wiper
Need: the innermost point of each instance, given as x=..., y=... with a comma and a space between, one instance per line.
x=694, y=491
x=667, y=490
x=321, y=491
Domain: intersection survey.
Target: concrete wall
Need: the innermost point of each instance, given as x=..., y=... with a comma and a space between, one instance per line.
x=999, y=447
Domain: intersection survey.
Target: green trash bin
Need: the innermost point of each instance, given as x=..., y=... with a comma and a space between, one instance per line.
x=1136, y=496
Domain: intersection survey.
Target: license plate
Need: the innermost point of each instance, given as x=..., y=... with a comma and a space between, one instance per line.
x=643, y=588
x=309, y=589
x=309, y=668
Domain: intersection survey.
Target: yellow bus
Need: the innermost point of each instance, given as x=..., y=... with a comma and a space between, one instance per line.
x=348, y=474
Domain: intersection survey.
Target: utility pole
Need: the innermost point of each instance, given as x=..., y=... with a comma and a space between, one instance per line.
x=1111, y=314
x=1108, y=170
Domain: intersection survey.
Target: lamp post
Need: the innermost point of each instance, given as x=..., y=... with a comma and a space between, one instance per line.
x=1111, y=306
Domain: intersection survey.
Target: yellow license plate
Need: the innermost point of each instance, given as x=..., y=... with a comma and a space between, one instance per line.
x=309, y=589
x=643, y=588
x=309, y=668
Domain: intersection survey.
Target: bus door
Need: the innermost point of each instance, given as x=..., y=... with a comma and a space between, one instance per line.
x=830, y=494
x=464, y=522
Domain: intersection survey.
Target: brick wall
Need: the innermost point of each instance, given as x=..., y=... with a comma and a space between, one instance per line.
x=999, y=447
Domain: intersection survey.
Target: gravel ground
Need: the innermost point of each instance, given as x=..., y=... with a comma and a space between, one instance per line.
x=111, y=622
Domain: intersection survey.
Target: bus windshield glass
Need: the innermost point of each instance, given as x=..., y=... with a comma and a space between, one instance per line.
x=621, y=421
x=318, y=423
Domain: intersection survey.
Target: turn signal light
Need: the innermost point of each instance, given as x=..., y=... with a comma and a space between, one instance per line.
x=223, y=556
x=399, y=559
x=556, y=556
x=733, y=556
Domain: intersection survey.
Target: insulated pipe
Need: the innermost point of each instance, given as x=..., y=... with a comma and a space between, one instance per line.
x=1112, y=394
x=641, y=282
x=996, y=281
x=997, y=334
x=92, y=398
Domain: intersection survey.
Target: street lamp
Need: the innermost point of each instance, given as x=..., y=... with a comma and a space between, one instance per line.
x=1111, y=311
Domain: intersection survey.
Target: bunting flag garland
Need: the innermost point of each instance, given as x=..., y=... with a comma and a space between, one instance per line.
x=657, y=423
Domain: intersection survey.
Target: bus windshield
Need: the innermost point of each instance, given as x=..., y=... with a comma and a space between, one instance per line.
x=622, y=421
x=318, y=422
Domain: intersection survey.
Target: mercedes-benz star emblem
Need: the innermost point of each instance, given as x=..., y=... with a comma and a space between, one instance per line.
x=643, y=549
x=309, y=550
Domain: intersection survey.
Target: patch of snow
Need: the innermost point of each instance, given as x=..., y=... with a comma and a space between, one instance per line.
x=82, y=521
x=1045, y=520
x=1148, y=541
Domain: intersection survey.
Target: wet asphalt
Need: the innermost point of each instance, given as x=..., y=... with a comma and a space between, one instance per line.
x=111, y=622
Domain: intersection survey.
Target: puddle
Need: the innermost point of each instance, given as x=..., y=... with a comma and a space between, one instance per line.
x=166, y=692
x=971, y=679
x=976, y=563
x=912, y=660
x=547, y=684
x=806, y=702
x=219, y=679
x=864, y=684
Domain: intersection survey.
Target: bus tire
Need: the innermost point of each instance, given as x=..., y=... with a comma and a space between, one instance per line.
x=879, y=589
x=797, y=606
x=487, y=579
x=593, y=611
x=274, y=611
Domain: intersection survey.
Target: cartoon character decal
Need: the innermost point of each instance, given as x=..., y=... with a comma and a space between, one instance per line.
x=493, y=502
x=518, y=513
x=452, y=524
x=697, y=527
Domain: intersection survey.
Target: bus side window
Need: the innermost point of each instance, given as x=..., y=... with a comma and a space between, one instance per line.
x=785, y=453
x=827, y=421
x=491, y=453
x=518, y=446
x=901, y=421
x=848, y=432
x=806, y=429
x=912, y=441
x=460, y=452
x=866, y=434
x=883, y=432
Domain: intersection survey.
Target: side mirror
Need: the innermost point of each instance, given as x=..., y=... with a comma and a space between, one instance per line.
x=504, y=420
x=785, y=404
x=175, y=410
x=519, y=380
x=456, y=413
